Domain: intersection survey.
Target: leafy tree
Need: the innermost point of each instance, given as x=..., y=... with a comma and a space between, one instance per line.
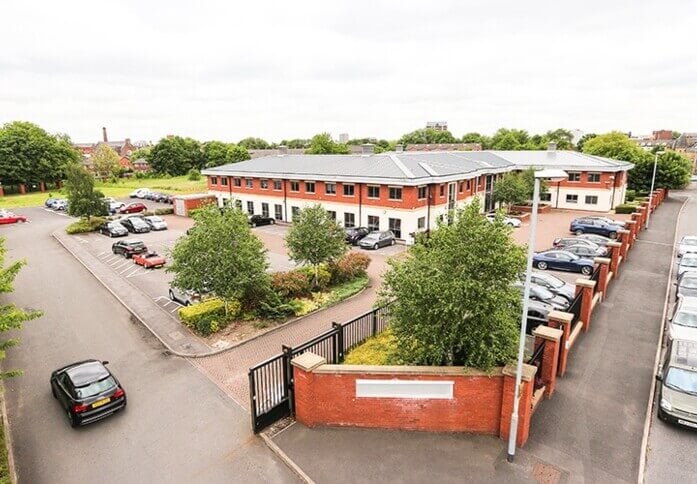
x=322, y=144
x=615, y=145
x=477, y=138
x=139, y=153
x=381, y=145
x=454, y=303
x=84, y=200
x=217, y=153
x=583, y=140
x=528, y=177
x=427, y=136
x=11, y=317
x=254, y=144
x=175, y=155
x=296, y=143
x=222, y=255
x=673, y=171
x=562, y=137
x=314, y=238
x=105, y=160
x=511, y=189
x=512, y=139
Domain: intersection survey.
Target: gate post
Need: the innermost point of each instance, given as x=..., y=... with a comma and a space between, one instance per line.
x=616, y=248
x=339, y=348
x=603, y=280
x=586, y=287
x=561, y=320
x=550, y=355
x=374, y=322
x=288, y=377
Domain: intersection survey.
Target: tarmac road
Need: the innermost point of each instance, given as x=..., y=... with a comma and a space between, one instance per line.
x=178, y=427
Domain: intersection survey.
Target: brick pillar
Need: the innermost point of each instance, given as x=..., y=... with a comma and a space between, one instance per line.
x=585, y=286
x=644, y=209
x=634, y=227
x=303, y=366
x=550, y=358
x=561, y=320
x=525, y=406
x=616, y=252
x=22, y=189
x=624, y=237
x=2, y=191
x=604, y=278
x=42, y=187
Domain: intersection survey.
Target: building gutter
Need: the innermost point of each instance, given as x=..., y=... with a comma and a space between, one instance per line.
x=285, y=201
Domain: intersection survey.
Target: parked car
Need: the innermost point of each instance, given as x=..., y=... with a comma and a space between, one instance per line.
x=600, y=240
x=538, y=313
x=511, y=221
x=115, y=207
x=686, y=285
x=149, y=260
x=155, y=222
x=375, y=240
x=135, y=224
x=109, y=200
x=185, y=297
x=355, y=234
x=563, y=261
x=88, y=391
x=594, y=226
x=128, y=248
x=133, y=208
x=563, y=242
x=139, y=193
x=60, y=205
x=688, y=244
x=586, y=251
x=49, y=202
x=608, y=220
x=539, y=293
x=683, y=322
x=553, y=284
x=7, y=217
x=257, y=220
x=677, y=392
x=113, y=229
x=688, y=263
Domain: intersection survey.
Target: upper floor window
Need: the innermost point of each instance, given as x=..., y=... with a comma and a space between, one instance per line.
x=442, y=190
x=310, y=187
x=264, y=184
x=330, y=188
x=294, y=186
x=349, y=190
x=395, y=193
x=594, y=178
x=461, y=187
x=373, y=191
x=237, y=182
x=422, y=192
x=469, y=185
x=277, y=184
x=574, y=176
x=223, y=181
x=249, y=182
x=214, y=180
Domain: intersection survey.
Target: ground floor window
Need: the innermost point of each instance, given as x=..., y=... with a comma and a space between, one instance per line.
x=294, y=211
x=591, y=199
x=250, y=208
x=238, y=204
x=395, y=225
x=373, y=222
x=571, y=198
x=421, y=223
x=264, y=209
x=332, y=214
x=545, y=197
x=349, y=220
x=278, y=212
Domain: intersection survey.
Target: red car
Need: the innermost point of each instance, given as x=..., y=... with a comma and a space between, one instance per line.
x=10, y=218
x=150, y=260
x=133, y=208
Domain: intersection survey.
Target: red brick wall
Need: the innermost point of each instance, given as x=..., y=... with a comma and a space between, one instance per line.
x=194, y=203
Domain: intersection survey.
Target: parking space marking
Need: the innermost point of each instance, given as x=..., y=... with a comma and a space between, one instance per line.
x=134, y=272
x=121, y=262
x=130, y=267
x=102, y=253
x=82, y=241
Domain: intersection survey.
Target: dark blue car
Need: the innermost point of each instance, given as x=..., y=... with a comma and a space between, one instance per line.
x=581, y=226
x=562, y=260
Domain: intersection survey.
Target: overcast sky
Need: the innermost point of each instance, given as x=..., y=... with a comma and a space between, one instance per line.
x=226, y=70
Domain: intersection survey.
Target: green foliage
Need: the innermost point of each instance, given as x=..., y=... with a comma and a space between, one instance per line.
x=348, y=267
x=217, y=153
x=511, y=189
x=427, y=136
x=454, y=303
x=175, y=155
x=273, y=307
x=615, y=145
x=673, y=171
x=296, y=143
x=85, y=225
x=105, y=160
x=194, y=174
x=291, y=284
x=84, y=200
x=485, y=141
x=4, y=464
x=381, y=145
x=11, y=317
x=208, y=317
x=625, y=208
x=381, y=349
x=254, y=144
x=223, y=256
x=314, y=238
x=164, y=211
x=630, y=195
x=318, y=275
x=528, y=176
x=582, y=142
x=322, y=144
x=346, y=289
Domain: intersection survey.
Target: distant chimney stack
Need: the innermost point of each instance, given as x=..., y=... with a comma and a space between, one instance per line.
x=282, y=150
x=367, y=149
x=399, y=148
x=104, y=138
x=551, y=146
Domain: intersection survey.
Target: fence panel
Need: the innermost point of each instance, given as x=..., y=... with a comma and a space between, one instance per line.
x=269, y=392
x=575, y=308
x=536, y=359
x=596, y=277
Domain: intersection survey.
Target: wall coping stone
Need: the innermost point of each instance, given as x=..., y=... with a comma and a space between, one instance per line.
x=617, y=244
x=308, y=361
x=561, y=316
x=629, y=222
x=585, y=283
x=602, y=260
x=406, y=370
x=545, y=332
x=528, y=371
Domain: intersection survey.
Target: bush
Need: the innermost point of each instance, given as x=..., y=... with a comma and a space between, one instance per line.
x=303, y=306
x=292, y=284
x=379, y=350
x=347, y=289
x=164, y=211
x=83, y=225
x=630, y=195
x=141, y=175
x=625, y=208
x=194, y=174
x=206, y=317
x=324, y=277
x=348, y=267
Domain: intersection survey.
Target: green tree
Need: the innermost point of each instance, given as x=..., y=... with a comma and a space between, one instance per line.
x=322, y=144
x=673, y=171
x=105, y=160
x=615, y=145
x=84, y=200
x=454, y=302
x=528, y=177
x=11, y=317
x=217, y=153
x=175, y=155
x=583, y=140
x=512, y=139
x=315, y=238
x=562, y=137
x=477, y=138
x=143, y=152
x=511, y=189
x=222, y=255
x=254, y=144
x=296, y=143
x=427, y=136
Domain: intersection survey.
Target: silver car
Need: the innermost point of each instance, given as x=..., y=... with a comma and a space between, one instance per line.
x=155, y=222
x=185, y=297
x=683, y=323
x=377, y=239
x=688, y=245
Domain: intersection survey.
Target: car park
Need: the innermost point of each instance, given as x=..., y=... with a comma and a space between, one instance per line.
x=113, y=229
x=683, y=322
x=149, y=260
x=7, y=217
x=677, y=376
x=553, y=284
x=563, y=242
x=185, y=297
x=686, y=285
x=133, y=208
x=375, y=240
x=687, y=263
x=586, y=251
x=355, y=234
x=155, y=222
x=510, y=221
x=115, y=206
x=128, y=248
x=135, y=224
x=139, y=193
x=587, y=225
x=563, y=261
x=87, y=391
x=687, y=245
x=257, y=220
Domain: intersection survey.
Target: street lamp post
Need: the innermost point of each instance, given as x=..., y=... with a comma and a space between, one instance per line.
x=653, y=182
x=553, y=175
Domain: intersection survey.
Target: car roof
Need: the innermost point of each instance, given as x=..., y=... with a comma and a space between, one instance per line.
x=684, y=353
x=689, y=237
x=87, y=372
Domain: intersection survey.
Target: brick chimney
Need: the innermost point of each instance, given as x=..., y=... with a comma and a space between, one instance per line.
x=105, y=139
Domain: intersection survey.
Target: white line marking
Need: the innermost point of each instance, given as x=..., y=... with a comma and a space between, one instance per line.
x=102, y=253
x=175, y=309
x=115, y=261
x=126, y=269
x=134, y=272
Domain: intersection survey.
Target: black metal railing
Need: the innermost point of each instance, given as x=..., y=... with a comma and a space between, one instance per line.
x=271, y=381
x=596, y=278
x=575, y=307
x=537, y=359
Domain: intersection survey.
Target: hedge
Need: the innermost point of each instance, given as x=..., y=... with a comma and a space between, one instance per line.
x=208, y=317
x=83, y=225
x=630, y=195
x=164, y=211
x=625, y=208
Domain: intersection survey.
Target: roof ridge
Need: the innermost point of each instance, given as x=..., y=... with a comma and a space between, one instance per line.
x=401, y=166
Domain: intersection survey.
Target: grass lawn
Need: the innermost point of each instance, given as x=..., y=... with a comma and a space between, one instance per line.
x=175, y=185
x=4, y=465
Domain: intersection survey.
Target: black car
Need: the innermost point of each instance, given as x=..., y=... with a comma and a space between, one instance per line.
x=686, y=285
x=256, y=220
x=553, y=284
x=88, y=391
x=135, y=224
x=163, y=198
x=355, y=234
x=113, y=229
x=128, y=248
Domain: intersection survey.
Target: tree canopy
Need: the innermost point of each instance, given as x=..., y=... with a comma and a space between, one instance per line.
x=105, y=160
x=84, y=200
x=453, y=299
x=252, y=143
x=673, y=171
x=614, y=145
x=175, y=155
x=322, y=144
x=217, y=153
x=427, y=136
x=511, y=189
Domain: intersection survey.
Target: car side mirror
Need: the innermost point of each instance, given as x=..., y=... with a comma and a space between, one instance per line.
x=659, y=376
x=105, y=362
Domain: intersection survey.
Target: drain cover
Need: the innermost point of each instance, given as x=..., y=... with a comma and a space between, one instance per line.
x=546, y=474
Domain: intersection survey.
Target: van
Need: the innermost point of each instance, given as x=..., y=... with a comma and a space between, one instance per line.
x=677, y=375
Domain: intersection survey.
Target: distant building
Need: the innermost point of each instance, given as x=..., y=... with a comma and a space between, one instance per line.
x=648, y=142
x=686, y=144
x=437, y=125
x=663, y=135
x=343, y=138
x=445, y=147
x=123, y=148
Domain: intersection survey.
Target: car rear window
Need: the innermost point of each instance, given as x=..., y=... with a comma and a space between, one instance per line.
x=95, y=388
x=136, y=244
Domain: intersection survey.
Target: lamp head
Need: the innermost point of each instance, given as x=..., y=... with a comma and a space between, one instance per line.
x=552, y=174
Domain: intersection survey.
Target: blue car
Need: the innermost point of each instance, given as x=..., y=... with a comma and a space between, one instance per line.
x=562, y=260
x=582, y=226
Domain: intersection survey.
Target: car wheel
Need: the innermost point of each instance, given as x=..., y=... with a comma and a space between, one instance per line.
x=125, y=255
x=586, y=270
x=53, y=392
x=171, y=296
x=578, y=232
x=392, y=242
x=187, y=303
x=376, y=246
x=661, y=414
x=271, y=222
x=72, y=419
x=254, y=224
x=613, y=235
x=542, y=265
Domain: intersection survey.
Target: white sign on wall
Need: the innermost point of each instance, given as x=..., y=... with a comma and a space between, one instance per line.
x=416, y=389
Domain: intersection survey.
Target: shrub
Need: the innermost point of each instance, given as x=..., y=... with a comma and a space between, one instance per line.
x=324, y=277
x=141, y=175
x=292, y=284
x=348, y=267
x=379, y=350
x=206, y=317
x=625, y=208
x=303, y=306
x=347, y=289
x=630, y=195
x=164, y=211
x=83, y=225
x=194, y=174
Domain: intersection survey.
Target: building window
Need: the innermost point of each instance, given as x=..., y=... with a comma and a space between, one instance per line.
x=349, y=190
x=574, y=176
x=249, y=182
x=594, y=178
x=214, y=180
x=237, y=182
x=264, y=184
x=469, y=185
x=422, y=192
x=395, y=225
x=421, y=223
x=349, y=220
x=461, y=187
x=295, y=211
x=264, y=209
x=373, y=222
x=309, y=187
x=238, y=204
x=332, y=214
x=330, y=188
x=571, y=198
x=250, y=208
x=442, y=190
x=223, y=181
x=277, y=184
x=373, y=191
x=278, y=212
x=395, y=193
x=545, y=197
x=591, y=199
x=294, y=186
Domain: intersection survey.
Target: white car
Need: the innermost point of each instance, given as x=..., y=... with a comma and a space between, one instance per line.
x=688, y=263
x=116, y=206
x=683, y=323
x=155, y=222
x=140, y=193
x=688, y=244
x=513, y=222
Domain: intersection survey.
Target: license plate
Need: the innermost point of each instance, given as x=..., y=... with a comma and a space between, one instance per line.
x=689, y=424
x=101, y=402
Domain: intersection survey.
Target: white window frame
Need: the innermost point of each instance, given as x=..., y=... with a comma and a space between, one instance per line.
x=588, y=176
x=314, y=187
x=572, y=195
x=343, y=189
x=326, y=185
x=389, y=194
x=368, y=192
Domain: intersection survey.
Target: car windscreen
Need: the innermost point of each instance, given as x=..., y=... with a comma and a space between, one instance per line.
x=115, y=225
x=688, y=261
x=688, y=282
x=682, y=380
x=155, y=219
x=541, y=293
x=552, y=281
x=685, y=318
x=689, y=242
x=136, y=244
x=95, y=388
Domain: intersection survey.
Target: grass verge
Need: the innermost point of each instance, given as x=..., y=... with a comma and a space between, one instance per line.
x=381, y=349
x=346, y=290
x=4, y=464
